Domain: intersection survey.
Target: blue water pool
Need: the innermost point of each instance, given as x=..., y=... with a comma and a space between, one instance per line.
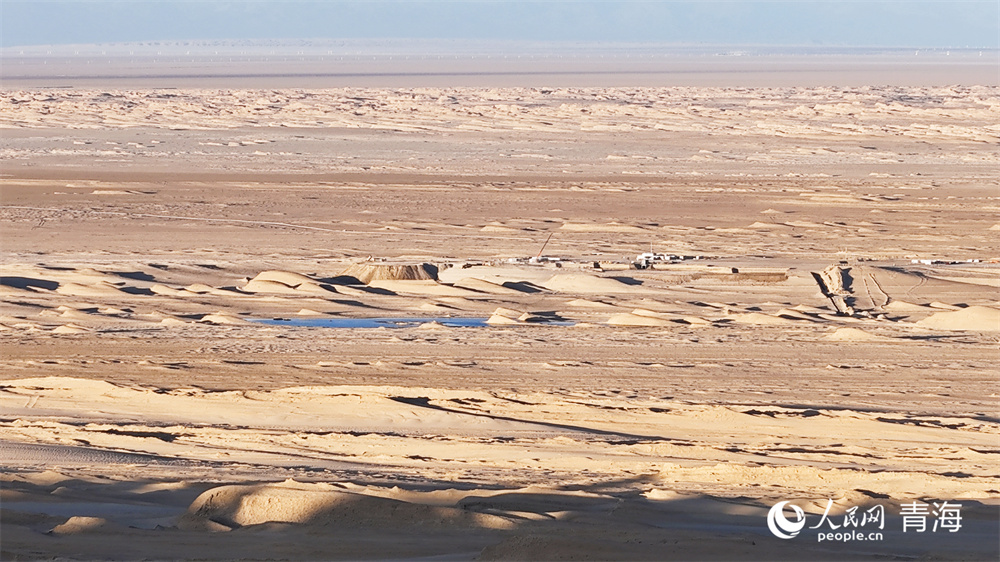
x=409, y=322
x=373, y=322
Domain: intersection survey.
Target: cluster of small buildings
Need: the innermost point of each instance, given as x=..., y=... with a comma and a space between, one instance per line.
x=943, y=262
x=642, y=261
x=647, y=259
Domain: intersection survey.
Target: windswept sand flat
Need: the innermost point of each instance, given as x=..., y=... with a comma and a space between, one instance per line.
x=591, y=410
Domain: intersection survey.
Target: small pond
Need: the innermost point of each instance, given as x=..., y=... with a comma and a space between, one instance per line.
x=407, y=322
x=373, y=322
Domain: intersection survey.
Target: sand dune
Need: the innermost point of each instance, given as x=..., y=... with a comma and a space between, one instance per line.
x=166, y=291
x=324, y=505
x=199, y=288
x=289, y=278
x=972, y=319
x=268, y=286
x=80, y=290
x=501, y=320
x=423, y=287
x=223, y=318
x=507, y=317
x=905, y=307
x=70, y=329
x=392, y=415
x=807, y=113
x=479, y=285
x=864, y=289
x=632, y=319
x=688, y=468
x=793, y=314
x=163, y=248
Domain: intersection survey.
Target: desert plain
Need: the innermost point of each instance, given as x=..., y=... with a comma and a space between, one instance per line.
x=173, y=257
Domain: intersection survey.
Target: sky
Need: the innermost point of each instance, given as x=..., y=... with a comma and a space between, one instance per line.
x=925, y=24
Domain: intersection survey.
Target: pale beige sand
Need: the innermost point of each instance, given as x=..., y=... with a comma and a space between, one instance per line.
x=603, y=413
x=675, y=451
x=972, y=319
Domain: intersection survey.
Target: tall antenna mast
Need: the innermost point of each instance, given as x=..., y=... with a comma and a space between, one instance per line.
x=544, y=245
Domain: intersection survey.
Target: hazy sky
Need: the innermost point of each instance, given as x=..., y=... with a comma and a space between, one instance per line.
x=844, y=23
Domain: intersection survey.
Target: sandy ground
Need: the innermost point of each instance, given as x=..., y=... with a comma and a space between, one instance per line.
x=602, y=413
